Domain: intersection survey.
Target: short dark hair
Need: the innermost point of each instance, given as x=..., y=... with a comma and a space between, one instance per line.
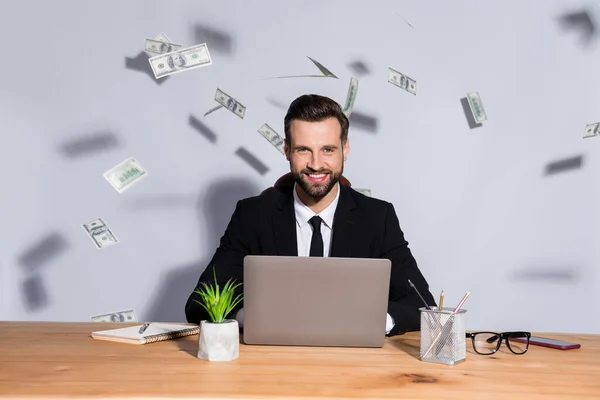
x=315, y=108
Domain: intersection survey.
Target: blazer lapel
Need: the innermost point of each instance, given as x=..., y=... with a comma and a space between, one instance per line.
x=284, y=225
x=343, y=225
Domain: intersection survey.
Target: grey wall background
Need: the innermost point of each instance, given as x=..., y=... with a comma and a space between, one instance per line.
x=477, y=205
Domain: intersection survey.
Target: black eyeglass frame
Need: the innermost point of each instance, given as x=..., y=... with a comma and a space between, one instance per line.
x=503, y=336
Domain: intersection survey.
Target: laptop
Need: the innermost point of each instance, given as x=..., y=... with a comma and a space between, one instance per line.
x=315, y=301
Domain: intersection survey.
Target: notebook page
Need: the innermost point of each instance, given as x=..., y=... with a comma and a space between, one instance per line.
x=132, y=332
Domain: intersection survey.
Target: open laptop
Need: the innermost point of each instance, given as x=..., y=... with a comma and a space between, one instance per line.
x=315, y=301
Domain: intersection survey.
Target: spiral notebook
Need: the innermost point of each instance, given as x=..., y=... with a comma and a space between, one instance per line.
x=156, y=332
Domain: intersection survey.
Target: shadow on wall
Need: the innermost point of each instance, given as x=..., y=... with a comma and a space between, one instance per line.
x=214, y=213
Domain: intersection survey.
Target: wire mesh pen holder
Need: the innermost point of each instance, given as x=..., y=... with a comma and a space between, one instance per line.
x=443, y=335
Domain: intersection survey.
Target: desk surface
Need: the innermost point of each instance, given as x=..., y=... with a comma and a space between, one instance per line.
x=50, y=359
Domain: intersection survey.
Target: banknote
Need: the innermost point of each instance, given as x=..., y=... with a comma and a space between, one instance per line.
x=160, y=47
x=230, y=103
x=324, y=70
x=100, y=234
x=180, y=60
x=273, y=137
x=476, y=107
x=161, y=37
x=125, y=174
x=350, y=97
x=117, y=316
x=592, y=130
x=212, y=110
x=402, y=81
x=366, y=192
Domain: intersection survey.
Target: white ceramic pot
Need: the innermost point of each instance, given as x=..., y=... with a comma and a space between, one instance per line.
x=219, y=341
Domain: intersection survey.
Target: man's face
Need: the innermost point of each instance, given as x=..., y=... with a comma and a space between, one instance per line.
x=316, y=155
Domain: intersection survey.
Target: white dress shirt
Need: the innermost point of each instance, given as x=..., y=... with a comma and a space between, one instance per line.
x=304, y=231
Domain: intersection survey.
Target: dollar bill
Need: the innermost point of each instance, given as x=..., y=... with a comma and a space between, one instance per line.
x=180, y=60
x=161, y=37
x=592, y=130
x=323, y=70
x=366, y=192
x=100, y=234
x=230, y=103
x=350, y=97
x=157, y=46
x=212, y=110
x=117, y=316
x=273, y=137
x=125, y=174
x=476, y=107
x=402, y=81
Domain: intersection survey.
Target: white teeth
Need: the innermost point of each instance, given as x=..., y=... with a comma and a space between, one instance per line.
x=317, y=176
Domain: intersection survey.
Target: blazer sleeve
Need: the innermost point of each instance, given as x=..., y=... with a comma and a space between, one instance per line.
x=403, y=303
x=227, y=263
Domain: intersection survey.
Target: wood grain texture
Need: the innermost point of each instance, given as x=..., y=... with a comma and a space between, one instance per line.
x=60, y=360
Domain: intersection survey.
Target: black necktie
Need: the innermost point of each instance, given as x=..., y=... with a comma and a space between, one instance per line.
x=316, y=243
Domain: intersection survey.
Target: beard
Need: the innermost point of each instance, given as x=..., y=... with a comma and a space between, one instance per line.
x=317, y=190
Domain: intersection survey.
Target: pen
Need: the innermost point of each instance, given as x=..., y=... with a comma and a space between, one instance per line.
x=422, y=299
x=144, y=327
x=441, y=301
x=462, y=301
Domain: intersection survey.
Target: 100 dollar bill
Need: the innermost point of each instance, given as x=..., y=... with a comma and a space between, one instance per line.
x=273, y=137
x=350, y=97
x=117, y=316
x=100, y=234
x=402, y=81
x=157, y=46
x=476, y=107
x=230, y=103
x=125, y=174
x=180, y=60
x=592, y=130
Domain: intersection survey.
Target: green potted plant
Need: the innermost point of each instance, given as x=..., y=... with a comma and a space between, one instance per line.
x=219, y=337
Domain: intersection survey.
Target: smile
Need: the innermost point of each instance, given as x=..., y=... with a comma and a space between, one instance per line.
x=317, y=177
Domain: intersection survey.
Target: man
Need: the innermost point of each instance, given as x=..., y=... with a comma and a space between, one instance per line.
x=347, y=223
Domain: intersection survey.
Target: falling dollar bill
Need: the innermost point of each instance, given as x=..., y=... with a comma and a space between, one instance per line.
x=476, y=107
x=118, y=316
x=180, y=60
x=125, y=174
x=160, y=47
x=161, y=37
x=273, y=137
x=402, y=81
x=366, y=192
x=323, y=70
x=350, y=97
x=230, y=103
x=592, y=130
x=212, y=110
x=100, y=234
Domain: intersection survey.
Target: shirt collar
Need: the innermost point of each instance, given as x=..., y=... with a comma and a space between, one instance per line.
x=303, y=213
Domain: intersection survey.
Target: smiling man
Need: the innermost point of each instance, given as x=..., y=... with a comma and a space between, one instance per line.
x=319, y=217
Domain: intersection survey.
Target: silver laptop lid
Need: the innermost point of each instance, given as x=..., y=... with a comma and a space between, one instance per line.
x=315, y=301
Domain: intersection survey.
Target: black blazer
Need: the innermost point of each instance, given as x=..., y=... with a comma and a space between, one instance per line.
x=363, y=227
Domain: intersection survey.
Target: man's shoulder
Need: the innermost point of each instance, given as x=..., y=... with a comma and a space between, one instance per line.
x=267, y=199
x=367, y=201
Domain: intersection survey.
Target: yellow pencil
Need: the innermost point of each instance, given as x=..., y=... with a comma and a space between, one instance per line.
x=441, y=301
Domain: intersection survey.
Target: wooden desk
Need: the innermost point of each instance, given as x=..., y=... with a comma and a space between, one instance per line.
x=60, y=360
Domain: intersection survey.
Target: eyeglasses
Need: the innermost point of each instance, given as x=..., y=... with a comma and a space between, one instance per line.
x=487, y=343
